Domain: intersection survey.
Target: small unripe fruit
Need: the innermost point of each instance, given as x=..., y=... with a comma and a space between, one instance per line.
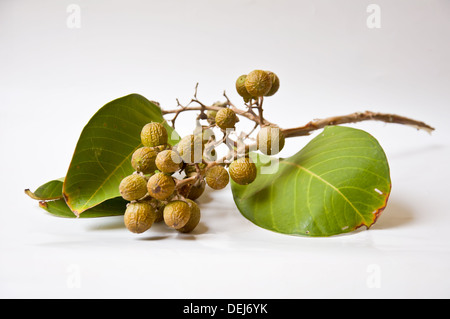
x=275, y=84
x=242, y=171
x=194, y=219
x=191, y=148
x=160, y=186
x=154, y=134
x=177, y=214
x=211, y=116
x=133, y=187
x=217, y=177
x=270, y=140
x=168, y=161
x=241, y=89
x=139, y=216
x=226, y=118
x=143, y=160
x=258, y=83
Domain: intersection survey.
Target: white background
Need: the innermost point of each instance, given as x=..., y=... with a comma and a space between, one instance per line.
x=53, y=78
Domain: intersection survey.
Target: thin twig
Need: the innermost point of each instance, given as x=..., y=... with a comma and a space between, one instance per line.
x=354, y=118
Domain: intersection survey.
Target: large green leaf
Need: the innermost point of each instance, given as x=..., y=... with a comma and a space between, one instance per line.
x=103, y=152
x=51, y=199
x=335, y=184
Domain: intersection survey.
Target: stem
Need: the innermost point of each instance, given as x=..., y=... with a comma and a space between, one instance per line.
x=182, y=182
x=354, y=118
x=304, y=130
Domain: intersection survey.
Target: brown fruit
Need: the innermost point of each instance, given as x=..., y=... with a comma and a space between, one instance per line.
x=154, y=134
x=226, y=118
x=139, y=216
x=160, y=186
x=143, y=160
x=191, y=148
x=177, y=214
x=242, y=171
x=275, y=84
x=217, y=177
x=133, y=187
x=270, y=140
x=194, y=219
x=258, y=83
x=168, y=161
x=193, y=191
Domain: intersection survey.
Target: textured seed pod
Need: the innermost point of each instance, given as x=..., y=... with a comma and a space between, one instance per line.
x=241, y=89
x=154, y=134
x=191, y=148
x=168, y=161
x=226, y=118
x=194, y=219
x=275, y=84
x=242, y=171
x=270, y=140
x=143, y=160
x=160, y=186
x=258, y=83
x=217, y=177
x=133, y=187
x=139, y=216
x=177, y=214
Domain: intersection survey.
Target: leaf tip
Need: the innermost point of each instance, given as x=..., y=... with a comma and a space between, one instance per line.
x=30, y=193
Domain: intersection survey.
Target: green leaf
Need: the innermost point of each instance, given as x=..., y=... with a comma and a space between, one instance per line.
x=48, y=191
x=51, y=199
x=103, y=152
x=111, y=207
x=335, y=184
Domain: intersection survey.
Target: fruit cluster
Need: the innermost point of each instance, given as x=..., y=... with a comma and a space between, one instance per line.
x=167, y=180
x=256, y=84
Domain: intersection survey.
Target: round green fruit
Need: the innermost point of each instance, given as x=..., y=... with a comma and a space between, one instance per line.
x=275, y=84
x=177, y=214
x=258, y=83
x=241, y=89
x=139, y=216
x=270, y=140
x=191, y=148
x=133, y=187
x=226, y=118
x=160, y=186
x=242, y=171
x=194, y=218
x=217, y=177
x=154, y=134
x=143, y=160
